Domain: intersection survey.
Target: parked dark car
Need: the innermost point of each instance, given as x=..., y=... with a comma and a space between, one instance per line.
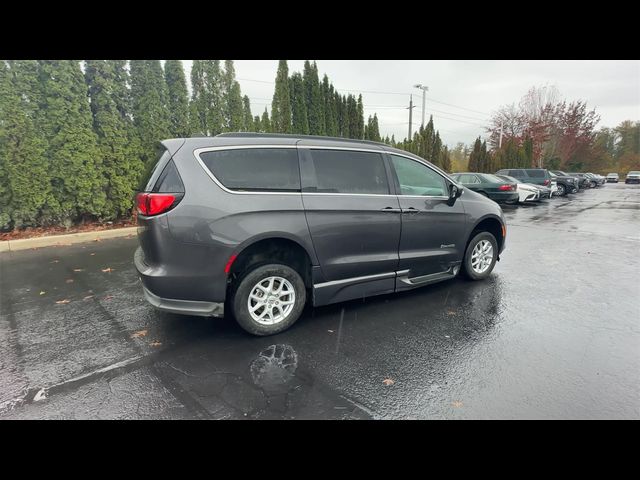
x=585, y=181
x=491, y=186
x=254, y=225
x=595, y=180
x=613, y=178
x=565, y=183
x=632, y=177
x=577, y=183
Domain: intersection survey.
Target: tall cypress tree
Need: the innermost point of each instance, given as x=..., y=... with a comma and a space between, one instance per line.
x=257, y=124
x=313, y=98
x=198, y=106
x=214, y=97
x=374, y=130
x=475, y=155
x=330, y=114
x=360, y=113
x=232, y=99
x=299, y=120
x=281, y=104
x=150, y=112
x=265, y=123
x=117, y=142
x=178, y=98
x=248, y=125
x=25, y=188
x=74, y=159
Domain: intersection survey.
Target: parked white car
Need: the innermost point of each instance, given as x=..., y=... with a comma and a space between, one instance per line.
x=526, y=191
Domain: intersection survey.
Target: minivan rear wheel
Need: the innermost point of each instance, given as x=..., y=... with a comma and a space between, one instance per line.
x=561, y=190
x=268, y=299
x=481, y=256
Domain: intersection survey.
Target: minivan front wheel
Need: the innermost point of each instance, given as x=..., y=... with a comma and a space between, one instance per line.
x=269, y=299
x=481, y=256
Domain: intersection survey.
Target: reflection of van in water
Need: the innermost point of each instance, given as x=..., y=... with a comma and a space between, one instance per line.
x=256, y=224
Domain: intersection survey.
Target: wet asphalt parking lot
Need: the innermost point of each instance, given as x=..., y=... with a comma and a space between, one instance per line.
x=554, y=333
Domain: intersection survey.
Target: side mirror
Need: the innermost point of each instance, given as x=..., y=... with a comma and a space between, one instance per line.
x=454, y=192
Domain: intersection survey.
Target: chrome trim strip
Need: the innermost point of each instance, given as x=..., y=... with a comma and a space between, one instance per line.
x=355, y=280
x=198, y=151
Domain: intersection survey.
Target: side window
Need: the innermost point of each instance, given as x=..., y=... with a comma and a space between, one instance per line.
x=169, y=181
x=347, y=171
x=518, y=174
x=255, y=169
x=417, y=179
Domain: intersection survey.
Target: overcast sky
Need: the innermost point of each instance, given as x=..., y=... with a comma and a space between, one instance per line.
x=478, y=86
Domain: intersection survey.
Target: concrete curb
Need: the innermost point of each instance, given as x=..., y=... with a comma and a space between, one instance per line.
x=59, y=240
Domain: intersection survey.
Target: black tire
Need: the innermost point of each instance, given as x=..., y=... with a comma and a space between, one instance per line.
x=241, y=291
x=466, y=262
x=593, y=184
x=562, y=191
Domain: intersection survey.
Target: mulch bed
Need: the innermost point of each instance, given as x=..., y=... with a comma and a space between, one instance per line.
x=46, y=231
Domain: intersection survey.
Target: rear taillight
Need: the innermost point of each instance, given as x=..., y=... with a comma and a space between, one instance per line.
x=506, y=188
x=150, y=204
x=546, y=182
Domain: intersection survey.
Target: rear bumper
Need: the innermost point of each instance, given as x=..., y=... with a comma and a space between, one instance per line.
x=180, y=292
x=632, y=180
x=612, y=180
x=184, y=307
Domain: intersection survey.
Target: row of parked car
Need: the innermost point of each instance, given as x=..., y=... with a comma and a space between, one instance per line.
x=632, y=177
x=521, y=185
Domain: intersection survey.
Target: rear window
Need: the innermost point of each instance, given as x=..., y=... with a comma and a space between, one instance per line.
x=517, y=173
x=492, y=178
x=537, y=173
x=347, y=171
x=255, y=169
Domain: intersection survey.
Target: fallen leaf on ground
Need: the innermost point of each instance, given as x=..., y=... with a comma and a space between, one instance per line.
x=451, y=312
x=139, y=333
x=456, y=404
x=108, y=297
x=92, y=254
x=88, y=297
x=54, y=261
x=42, y=292
x=69, y=280
x=108, y=269
x=388, y=381
x=155, y=344
x=330, y=331
x=66, y=300
x=78, y=269
x=97, y=240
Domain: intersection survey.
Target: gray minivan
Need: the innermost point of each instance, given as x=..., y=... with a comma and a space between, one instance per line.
x=254, y=225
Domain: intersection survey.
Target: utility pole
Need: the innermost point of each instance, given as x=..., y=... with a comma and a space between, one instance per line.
x=424, y=98
x=411, y=107
x=500, y=142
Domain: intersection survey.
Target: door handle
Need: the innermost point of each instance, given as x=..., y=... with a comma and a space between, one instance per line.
x=391, y=210
x=410, y=210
